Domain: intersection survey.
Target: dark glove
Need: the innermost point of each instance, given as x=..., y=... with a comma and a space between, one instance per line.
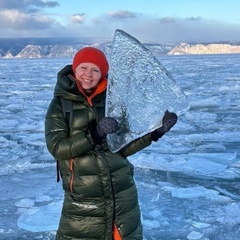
x=104, y=127
x=168, y=121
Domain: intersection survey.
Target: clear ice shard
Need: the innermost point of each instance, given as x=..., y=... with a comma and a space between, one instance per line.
x=139, y=91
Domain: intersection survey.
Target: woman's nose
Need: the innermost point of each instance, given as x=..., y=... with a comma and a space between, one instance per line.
x=89, y=72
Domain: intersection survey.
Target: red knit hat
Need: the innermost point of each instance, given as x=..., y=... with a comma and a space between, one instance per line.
x=91, y=55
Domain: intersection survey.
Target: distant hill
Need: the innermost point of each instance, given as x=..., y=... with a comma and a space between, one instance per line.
x=67, y=47
x=211, y=48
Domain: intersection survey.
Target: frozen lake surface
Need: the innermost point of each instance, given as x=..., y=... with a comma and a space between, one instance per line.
x=188, y=182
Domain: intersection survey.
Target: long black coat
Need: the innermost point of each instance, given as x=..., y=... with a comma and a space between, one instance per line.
x=98, y=184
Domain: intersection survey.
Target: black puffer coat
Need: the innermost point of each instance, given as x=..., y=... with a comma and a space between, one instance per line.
x=99, y=186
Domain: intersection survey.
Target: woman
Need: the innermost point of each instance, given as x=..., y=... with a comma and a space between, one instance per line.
x=100, y=199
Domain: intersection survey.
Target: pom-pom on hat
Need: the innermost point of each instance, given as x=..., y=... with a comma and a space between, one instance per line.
x=91, y=55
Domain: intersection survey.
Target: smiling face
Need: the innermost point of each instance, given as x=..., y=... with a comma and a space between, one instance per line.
x=88, y=74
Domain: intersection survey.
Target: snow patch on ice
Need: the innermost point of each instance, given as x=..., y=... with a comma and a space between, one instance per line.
x=200, y=225
x=38, y=219
x=195, y=192
x=151, y=224
x=25, y=203
x=195, y=235
x=207, y=164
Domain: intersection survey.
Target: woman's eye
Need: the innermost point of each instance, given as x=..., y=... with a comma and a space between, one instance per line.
x=96, y=70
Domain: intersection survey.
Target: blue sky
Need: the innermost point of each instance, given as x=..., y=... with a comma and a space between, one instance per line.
x=147, y=20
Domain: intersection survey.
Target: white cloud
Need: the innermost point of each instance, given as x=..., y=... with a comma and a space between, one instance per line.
x=20, y=22
x=121, y=14
x=14, y=19
x=27, y=5
x=78, y=18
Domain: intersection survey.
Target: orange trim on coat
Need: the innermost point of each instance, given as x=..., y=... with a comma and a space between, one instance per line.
x=116, y=234
x=72, y=174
